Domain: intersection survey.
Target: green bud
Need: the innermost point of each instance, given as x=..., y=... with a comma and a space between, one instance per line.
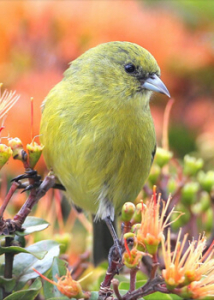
x=172, y=185
x=206, y=180
x=17, y=148
x=197, y=208
x=154, y=174
x=135, y=228
x=34, y=152
x=141, y=248
x=162, y=157
x=128, y=210
x=192, y=165
x=208, y=225
x=189, y=193
x=137, y=214
x=5, y=154
x=205, y=201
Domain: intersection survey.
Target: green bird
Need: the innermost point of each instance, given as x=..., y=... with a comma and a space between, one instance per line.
x=97, y=129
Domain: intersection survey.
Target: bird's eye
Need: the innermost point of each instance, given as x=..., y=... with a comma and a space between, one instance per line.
x=130, y=68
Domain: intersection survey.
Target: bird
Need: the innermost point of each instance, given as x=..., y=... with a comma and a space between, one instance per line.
x=97, y=129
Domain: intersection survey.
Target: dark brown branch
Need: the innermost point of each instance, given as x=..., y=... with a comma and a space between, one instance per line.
x=33, y=198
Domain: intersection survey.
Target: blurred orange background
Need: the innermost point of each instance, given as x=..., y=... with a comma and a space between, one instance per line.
x=39, y=38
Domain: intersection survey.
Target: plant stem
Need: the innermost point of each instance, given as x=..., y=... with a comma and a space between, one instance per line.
x=8, y=259
x=115, y=284
x=149, y=288
x=10, y=193
x=8, y=268
x=33, y=198
x=133, y=273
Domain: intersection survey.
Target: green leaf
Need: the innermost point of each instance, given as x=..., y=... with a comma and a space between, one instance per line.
x=124, y=285
x=15, y=250
x=29, y=294
x=140, y=283
x=58, y=268
x=94, y=296
x=24, y=262
x=175, y=297
x=7, y=284
x=158, y=295
x=32, y=224
x=59, y=298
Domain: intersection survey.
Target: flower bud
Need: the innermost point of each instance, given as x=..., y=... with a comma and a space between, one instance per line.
x=205, y=201
x=192, y=165
x=128, y=210
x=17, y=148
x=154, y=174
x=189, y=192
x=171, y=185
x=137, y=214
x=135, y=228
x=5, y=154
x=206, y=180
x=162, y=157
x=34, y=152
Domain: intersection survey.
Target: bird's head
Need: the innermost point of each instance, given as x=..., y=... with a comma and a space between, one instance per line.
x=122, y=68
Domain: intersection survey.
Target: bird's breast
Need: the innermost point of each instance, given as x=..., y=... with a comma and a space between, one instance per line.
x=96, y=151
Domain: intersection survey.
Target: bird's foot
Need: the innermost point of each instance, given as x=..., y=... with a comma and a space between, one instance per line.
x=35, y=180
x=116, y=252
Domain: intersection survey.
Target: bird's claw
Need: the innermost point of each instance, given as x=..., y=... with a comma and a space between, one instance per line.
x=31, y=186
x=116, y=252
x=30, y=174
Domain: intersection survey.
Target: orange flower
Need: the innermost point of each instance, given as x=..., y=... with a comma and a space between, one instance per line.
x=67, y=286
x=183, y=268
x=201, y=289
x=153, y=223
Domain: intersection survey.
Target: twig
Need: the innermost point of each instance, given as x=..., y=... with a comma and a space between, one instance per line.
x=10, y=193
x=115, y=284
x=133, y=273
x=33, y=198
x=149, y=288
x=154, y=267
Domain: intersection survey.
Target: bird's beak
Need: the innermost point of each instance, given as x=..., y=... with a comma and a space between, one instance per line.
x=153, y=83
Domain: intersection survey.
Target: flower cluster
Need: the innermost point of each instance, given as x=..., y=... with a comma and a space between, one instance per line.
x=188, y=268
x=154, y=216
x=188, y=265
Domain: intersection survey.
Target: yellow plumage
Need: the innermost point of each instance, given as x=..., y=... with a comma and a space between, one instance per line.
x=97, y=128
